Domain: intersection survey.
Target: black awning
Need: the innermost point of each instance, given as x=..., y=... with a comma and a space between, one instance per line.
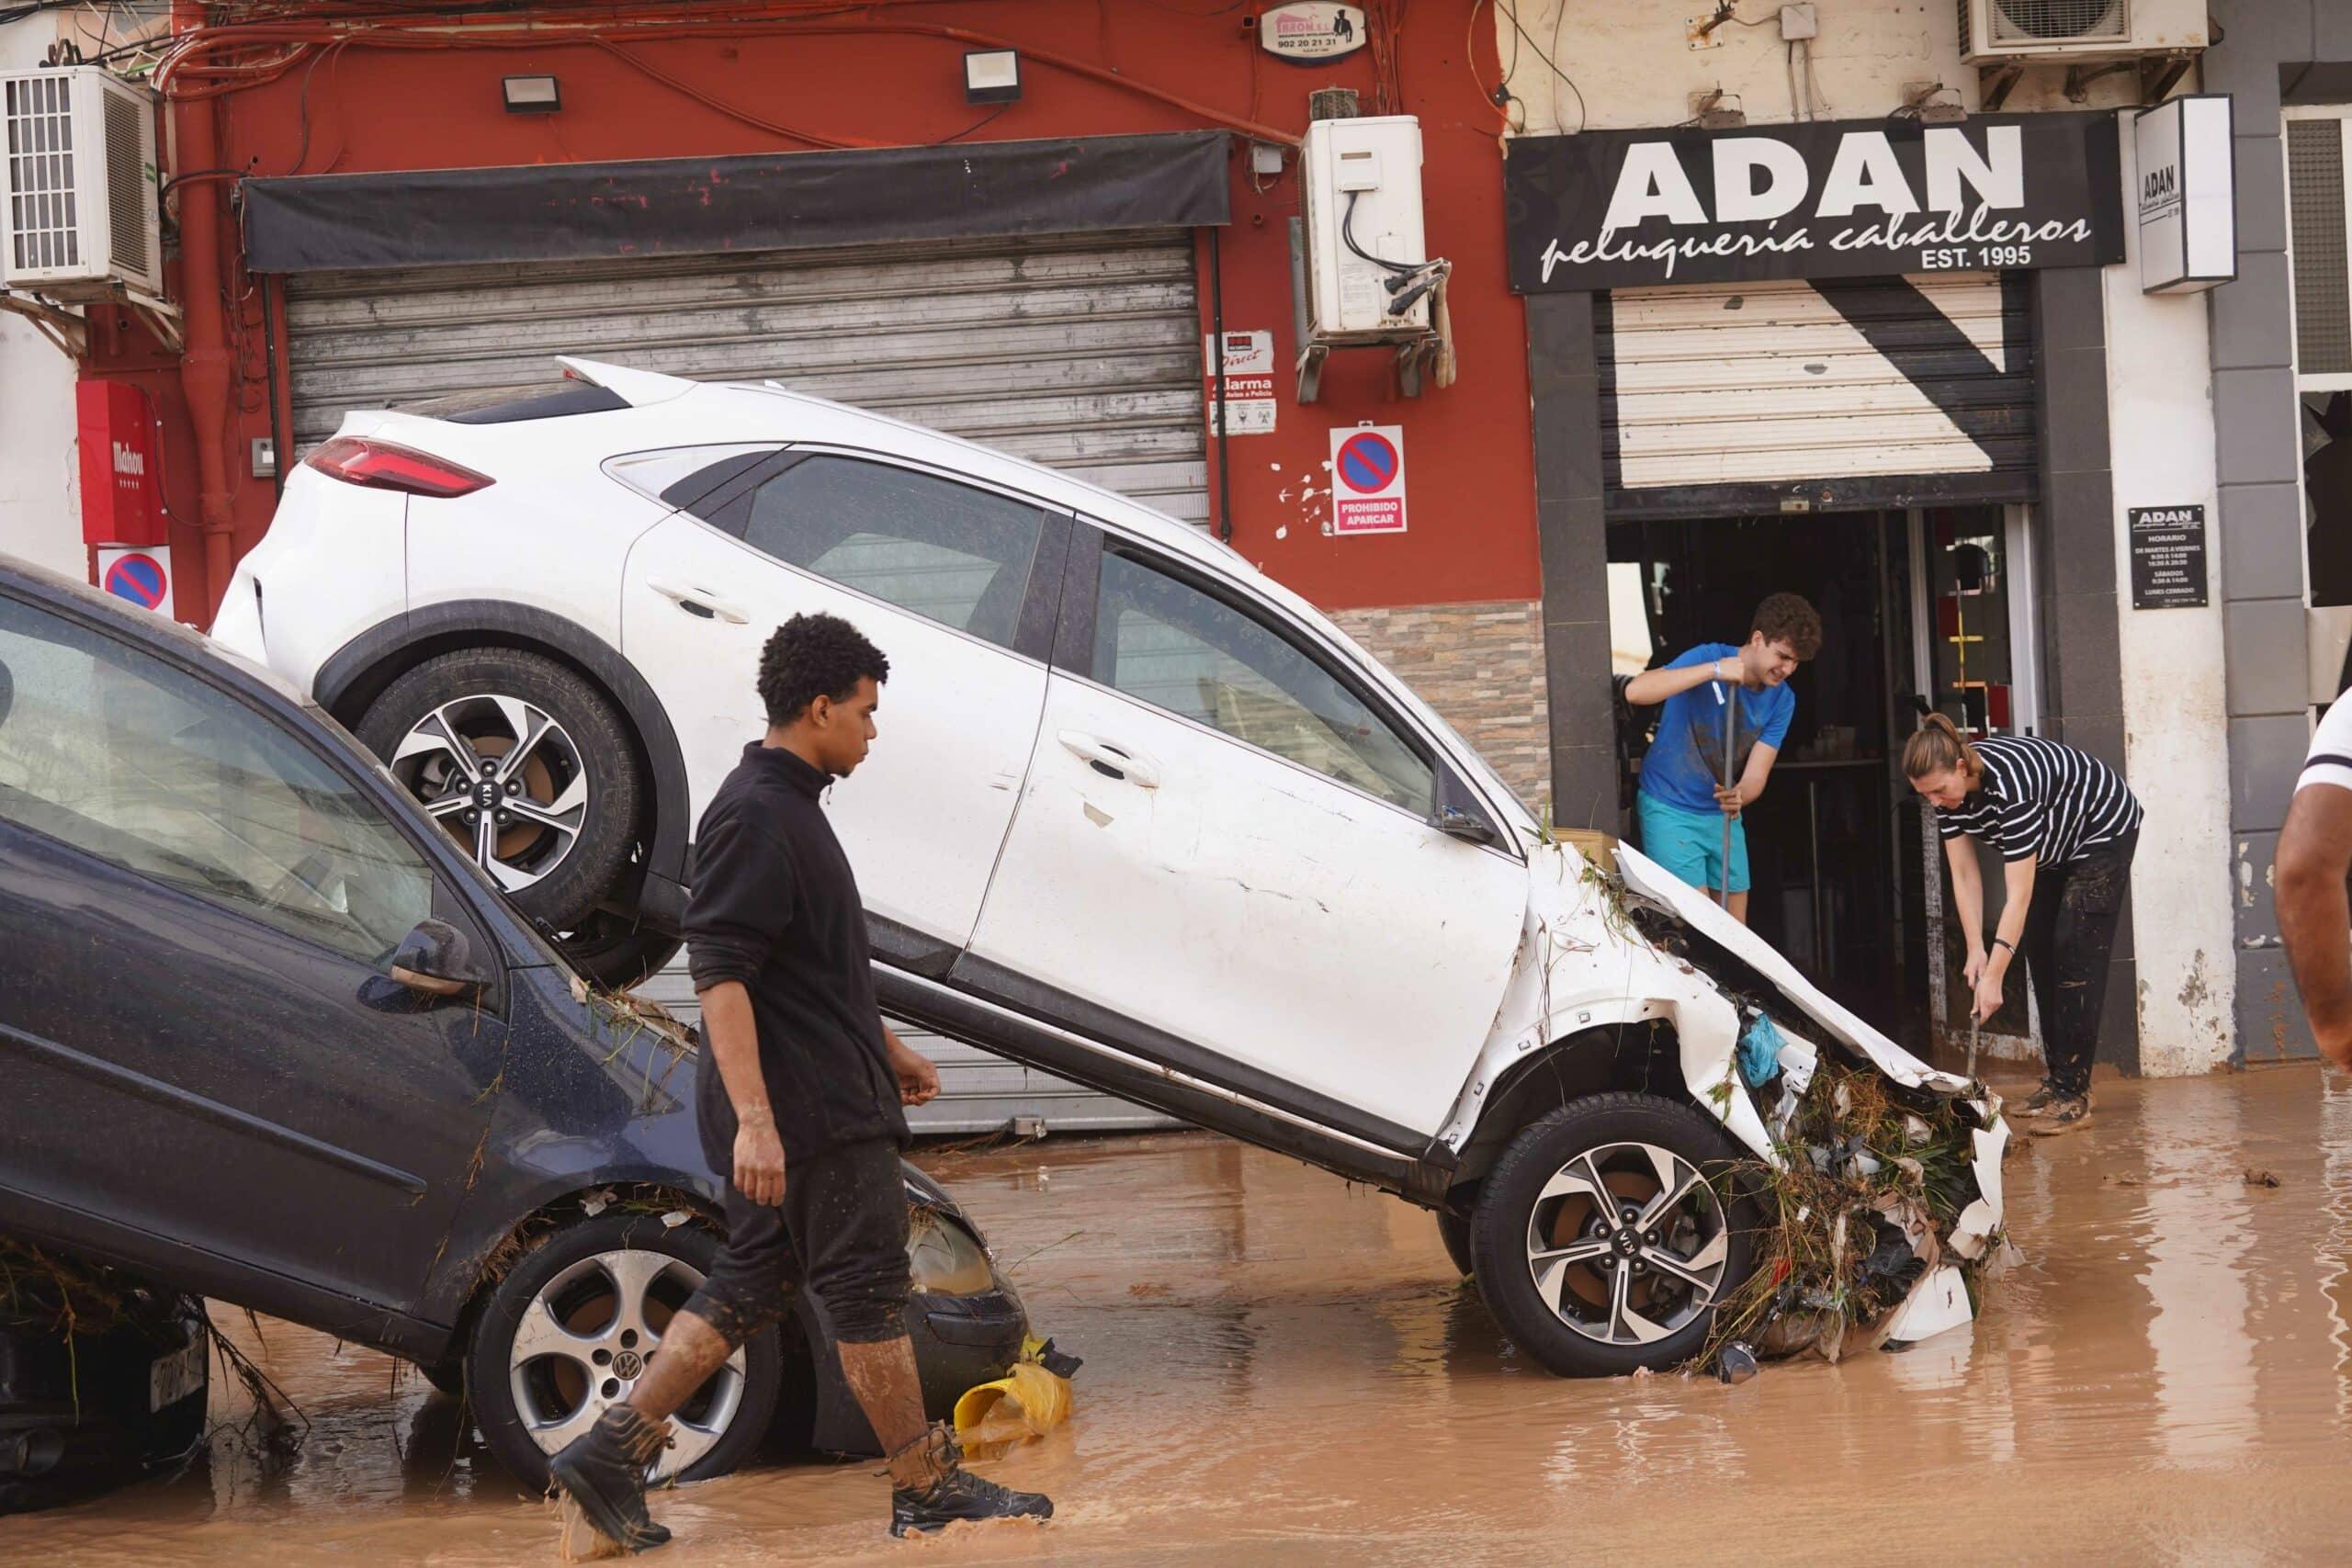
x=656, y=207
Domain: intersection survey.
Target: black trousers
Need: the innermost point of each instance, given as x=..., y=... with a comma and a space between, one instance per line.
x=2069, y=936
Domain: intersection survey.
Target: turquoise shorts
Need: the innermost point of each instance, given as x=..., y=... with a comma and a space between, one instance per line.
x=1690, y=845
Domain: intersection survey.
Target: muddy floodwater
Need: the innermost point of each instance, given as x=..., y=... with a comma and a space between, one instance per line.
x=1281, y=1368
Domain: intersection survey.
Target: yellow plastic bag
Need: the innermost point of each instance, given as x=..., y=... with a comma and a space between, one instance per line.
x=1027, y=1401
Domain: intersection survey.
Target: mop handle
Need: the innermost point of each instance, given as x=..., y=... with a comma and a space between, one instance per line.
x=1731, y=709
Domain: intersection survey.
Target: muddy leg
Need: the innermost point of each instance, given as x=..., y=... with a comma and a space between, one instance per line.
x=689, y=1353
x=882, y=1377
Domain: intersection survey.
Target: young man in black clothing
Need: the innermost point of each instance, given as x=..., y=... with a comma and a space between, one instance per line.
x=798, y=1097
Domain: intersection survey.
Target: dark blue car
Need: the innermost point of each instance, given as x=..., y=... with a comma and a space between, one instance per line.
x=267, y=1036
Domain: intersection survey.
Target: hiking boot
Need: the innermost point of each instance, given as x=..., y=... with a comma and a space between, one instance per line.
x=603, y=1473
x=2041, y=1101
x=945, y=1493
x=2066, y=1112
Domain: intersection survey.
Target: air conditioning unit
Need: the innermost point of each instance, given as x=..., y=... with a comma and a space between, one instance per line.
x=1368, y=268
x=2028, y=32
x=80, y=218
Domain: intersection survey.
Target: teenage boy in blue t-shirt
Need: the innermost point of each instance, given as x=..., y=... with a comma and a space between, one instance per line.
x=1683, y=800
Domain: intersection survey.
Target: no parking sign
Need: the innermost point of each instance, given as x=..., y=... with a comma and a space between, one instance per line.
x=143, y=576
x=1368, y=479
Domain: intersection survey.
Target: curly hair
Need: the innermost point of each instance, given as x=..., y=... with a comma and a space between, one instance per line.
x=1787, y=617
x=811, y=657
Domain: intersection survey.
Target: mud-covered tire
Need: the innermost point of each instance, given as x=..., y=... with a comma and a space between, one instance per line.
x=579, y=875
x=1454, y=1230
x=1516, y=1223
x=497, y=1386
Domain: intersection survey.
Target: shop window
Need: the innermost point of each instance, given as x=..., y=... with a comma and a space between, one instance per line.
x=2319, y=199
x=2316, y=197
x=1971, y=657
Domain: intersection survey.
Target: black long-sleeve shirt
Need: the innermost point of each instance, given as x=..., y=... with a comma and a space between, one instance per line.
x=775, y=907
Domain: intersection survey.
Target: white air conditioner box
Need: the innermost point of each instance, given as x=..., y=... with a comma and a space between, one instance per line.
x=79, y=208
x=2028, y=32
x=1362, y=180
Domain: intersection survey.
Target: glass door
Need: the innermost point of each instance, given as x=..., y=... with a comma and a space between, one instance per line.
x=1971, y=619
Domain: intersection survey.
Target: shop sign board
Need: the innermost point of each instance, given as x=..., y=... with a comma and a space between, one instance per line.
x=2188, y=203
x=1307, y=32
x=1844, y=199
x=1368, y=479
x=1246, y=371
x=2168, y=558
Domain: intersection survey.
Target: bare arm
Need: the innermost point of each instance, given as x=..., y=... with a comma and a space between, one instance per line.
x=2017, y=879
x=2315, y=854
x=1752, y=780
x=1652, y=687
x=917, y=1080
x=735, y=1046
x=1968, y=897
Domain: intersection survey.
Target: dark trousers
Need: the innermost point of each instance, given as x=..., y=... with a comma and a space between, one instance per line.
x=2069, y=936
x=840, y=1233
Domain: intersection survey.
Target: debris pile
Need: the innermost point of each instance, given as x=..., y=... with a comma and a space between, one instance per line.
x=1875, y=1207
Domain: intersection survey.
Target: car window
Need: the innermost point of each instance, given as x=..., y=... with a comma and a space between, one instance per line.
x=945, y=551
x=121, y=755
x=1166, y=642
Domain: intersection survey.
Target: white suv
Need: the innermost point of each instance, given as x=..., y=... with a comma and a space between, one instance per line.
x=1139, y=816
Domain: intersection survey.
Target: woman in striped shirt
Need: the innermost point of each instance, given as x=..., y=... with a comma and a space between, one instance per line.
x=2065, y=825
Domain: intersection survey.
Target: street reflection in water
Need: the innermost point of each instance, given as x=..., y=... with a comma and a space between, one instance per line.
x=1282, y=1367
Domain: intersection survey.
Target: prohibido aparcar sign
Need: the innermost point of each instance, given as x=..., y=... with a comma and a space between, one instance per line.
x=1624, y=208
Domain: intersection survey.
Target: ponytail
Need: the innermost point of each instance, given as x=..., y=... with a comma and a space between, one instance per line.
x=1937, y=747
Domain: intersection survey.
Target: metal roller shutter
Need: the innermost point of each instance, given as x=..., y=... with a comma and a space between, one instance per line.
x=1833, y=393
x=1080, y=352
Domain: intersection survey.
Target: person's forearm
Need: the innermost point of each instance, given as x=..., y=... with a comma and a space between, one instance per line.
x=1758, y=774
x=734, y=1038
x=2016, y=904
x=1652, y=687
x=1967, y=891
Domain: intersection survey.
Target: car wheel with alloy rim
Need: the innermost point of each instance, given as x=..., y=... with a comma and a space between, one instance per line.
x=569, y=1333
x=1611, y=1232
x=528, y=767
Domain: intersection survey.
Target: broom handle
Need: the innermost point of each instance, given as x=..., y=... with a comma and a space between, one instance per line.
x=1731, y=709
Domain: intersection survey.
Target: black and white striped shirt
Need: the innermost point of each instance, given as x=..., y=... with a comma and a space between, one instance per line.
x=2042, y=799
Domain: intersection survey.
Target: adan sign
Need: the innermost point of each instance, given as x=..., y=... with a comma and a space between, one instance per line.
x=1622, y=208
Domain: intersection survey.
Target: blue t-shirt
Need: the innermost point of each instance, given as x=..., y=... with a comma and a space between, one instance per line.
x=1685, y=764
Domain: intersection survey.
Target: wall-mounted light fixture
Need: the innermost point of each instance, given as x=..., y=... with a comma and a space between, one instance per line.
x=991, y=76
x=531, y=95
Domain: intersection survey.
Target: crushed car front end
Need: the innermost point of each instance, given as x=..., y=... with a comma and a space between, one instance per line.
x=1858, y=1190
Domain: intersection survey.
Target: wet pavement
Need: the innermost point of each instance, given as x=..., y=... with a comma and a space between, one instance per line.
x=1281, y=1368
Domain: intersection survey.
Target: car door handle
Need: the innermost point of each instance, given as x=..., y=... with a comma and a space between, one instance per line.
x=697, y=602
x=1112, y=762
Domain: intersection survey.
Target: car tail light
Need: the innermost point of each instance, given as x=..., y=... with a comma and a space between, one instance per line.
x=381, y=465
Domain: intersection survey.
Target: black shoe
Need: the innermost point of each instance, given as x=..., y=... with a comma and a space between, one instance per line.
x=2042, y=1100
x=958, y=1495
x=603, y=1473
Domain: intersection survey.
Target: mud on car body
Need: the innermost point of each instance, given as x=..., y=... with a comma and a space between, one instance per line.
x=270, y=1037
x=1139, y=815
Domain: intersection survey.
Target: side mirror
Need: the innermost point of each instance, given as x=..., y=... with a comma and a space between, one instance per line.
x=1450, y=817
x=436, y=960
